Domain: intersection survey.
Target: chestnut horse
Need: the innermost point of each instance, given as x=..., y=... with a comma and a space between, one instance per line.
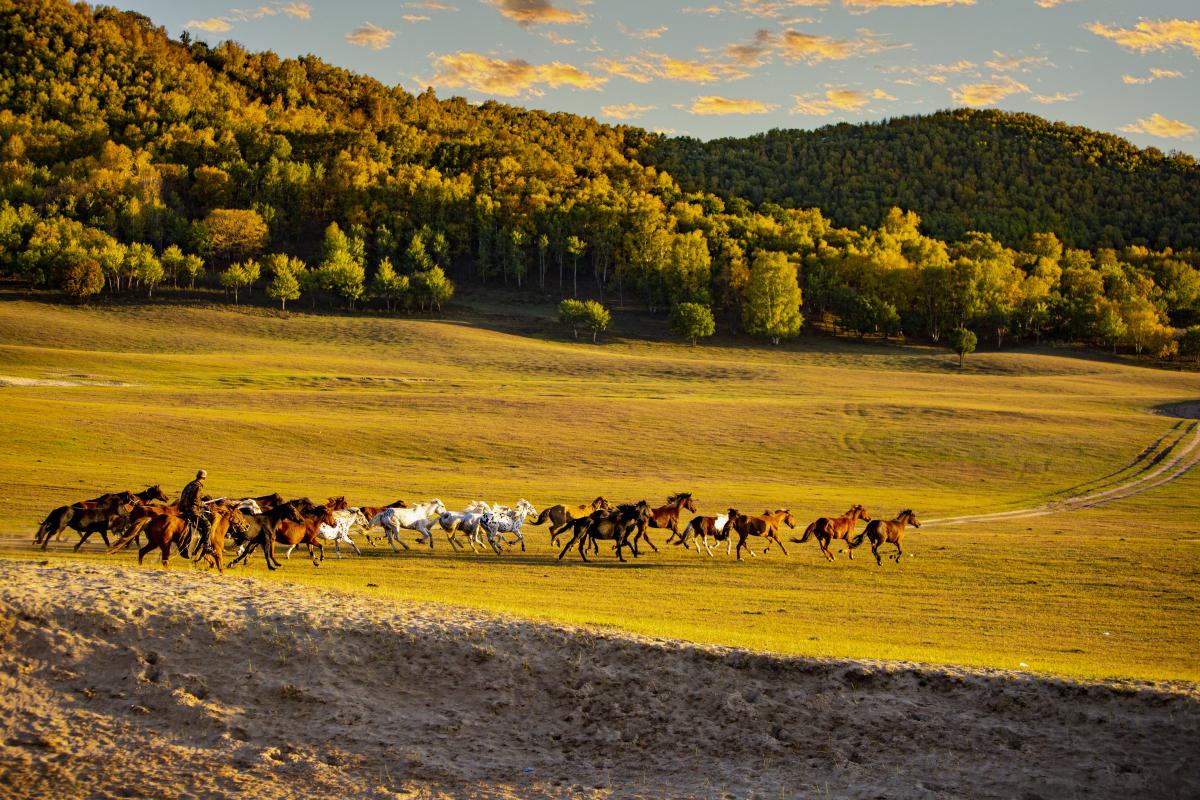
x=764, y=525
x=560, y=517
x=668, y=516
x=826, y=529
x=780, y=516
x=166, y=529
x=887, y=531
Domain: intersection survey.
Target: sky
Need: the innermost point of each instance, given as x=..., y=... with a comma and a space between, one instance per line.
x=711, y=68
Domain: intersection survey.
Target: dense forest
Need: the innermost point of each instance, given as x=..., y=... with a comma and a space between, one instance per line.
x=130, y=161
x=1012, y=175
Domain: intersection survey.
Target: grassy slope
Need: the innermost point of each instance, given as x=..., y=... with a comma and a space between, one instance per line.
x=378, y=408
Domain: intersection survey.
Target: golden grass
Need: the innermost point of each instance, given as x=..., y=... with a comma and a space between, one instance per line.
x=380, y=408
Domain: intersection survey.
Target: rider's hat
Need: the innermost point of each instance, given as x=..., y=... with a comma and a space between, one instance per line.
x=201, y=474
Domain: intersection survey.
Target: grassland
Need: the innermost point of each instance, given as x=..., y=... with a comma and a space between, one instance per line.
x=501, y=408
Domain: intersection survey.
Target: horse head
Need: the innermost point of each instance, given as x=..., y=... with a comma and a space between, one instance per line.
x=154, y=492
x=525, y=509
x=601, y=502
x=908, y=515
x=436, y=506
x=337, y=503
x=788, y=519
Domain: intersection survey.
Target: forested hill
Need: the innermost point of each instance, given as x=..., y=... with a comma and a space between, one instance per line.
x=963, y=170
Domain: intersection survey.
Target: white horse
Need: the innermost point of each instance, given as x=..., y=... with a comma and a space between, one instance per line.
x=507, y=520
x=466, y=521
x=344, y=522
x=418, y=518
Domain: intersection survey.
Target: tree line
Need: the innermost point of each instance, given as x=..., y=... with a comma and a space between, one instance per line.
x=131, y=160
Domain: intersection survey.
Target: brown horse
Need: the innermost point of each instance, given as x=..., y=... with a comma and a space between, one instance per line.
x=268, y=501
x=261, y=530
x=887, y=531
x=765, y=525
x=700, y=528
x=667, y=516
x=826, y=529
x=780, y=516
x=293, y=533
x=63, y=517
x=86, y=521
x=615, y=525
x=169, y=528
x=560, y=516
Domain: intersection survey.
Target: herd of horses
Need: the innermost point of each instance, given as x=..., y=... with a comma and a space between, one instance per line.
x=268, y=521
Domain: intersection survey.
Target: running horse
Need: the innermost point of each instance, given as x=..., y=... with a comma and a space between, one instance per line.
x=887, y=531
x=765, y=525
x=826, y=529
x=667, y=517
x=169, y=528
x=93, y=516
x=560, y=516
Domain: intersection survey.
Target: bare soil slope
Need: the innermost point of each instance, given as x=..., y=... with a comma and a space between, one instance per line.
x=119, y=682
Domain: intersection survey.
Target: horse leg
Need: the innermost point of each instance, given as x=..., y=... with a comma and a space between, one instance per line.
x=899, y=552
x=83, y=537
x=287, y=554
x=775, y=538
x=320, y=550
x=645, y=534
x=166, y=554
x=582, y=547
x=741, y=543
x=145, y=550
x=875, y=552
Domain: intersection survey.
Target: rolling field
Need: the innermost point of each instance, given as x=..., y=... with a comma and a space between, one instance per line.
x=378, y=408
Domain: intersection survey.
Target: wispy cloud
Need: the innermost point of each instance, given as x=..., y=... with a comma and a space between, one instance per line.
x=1156, y=74
x=646, y=67
x=626, y=111
x=537, y=12
x=714, y=105
x=767, y=9
x=1150, y=36
x=1057, y=97
x=1052, y=3
x=1006, y=63
x=211, y=25
x=1162, y=127
x=371, y=36
x=987, y=93
x=869, y=5
x=642, y=33
x=297, y=10
x=836, y=99
x=798, y=46
x=507, y=77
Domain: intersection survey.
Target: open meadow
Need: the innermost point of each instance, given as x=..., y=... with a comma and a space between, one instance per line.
x=376, y=408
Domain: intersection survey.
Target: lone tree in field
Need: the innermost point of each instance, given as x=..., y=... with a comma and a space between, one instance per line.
x=596, y=317
x=570, y=314
x=772, y=301
x=693, y=321
x=963, y=341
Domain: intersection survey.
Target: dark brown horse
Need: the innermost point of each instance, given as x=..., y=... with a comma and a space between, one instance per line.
x=560, y=516
x=614, y=525
x=667, y=516
x=826, y=529
x=268, y=501
x=887, y=531
x=765, y=525
x=72, y=516
x=261, y=530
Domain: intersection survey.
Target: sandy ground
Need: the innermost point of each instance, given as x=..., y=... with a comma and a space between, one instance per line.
x=120, y=682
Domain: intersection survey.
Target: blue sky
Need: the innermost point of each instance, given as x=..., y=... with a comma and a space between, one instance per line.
x=711, y=68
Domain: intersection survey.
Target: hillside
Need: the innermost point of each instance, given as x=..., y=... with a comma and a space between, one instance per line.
x=130, y=161
x=963, y=170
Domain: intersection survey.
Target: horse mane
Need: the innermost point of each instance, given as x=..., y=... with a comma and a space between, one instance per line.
x=679, y=496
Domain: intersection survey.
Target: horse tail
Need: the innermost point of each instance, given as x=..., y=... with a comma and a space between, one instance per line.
x=808, y=533
x=129, y=535
x=543, y=517
x=857, y=540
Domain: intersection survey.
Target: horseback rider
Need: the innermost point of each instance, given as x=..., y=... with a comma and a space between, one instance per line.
x=191, y=508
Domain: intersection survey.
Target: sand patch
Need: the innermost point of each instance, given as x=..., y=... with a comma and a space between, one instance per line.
x=125, y=682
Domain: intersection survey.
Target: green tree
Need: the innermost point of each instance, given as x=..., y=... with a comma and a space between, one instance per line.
x=284, y=286
x=1189, y=343
x=772, y=299
x=343, y=276
x=570, y=314
x=240, y=275
x=143, y=264
x=596, y=318
x=386, y=285
x=433, y=287
x=963, y=341
x=693, y=321
x=575, y=248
